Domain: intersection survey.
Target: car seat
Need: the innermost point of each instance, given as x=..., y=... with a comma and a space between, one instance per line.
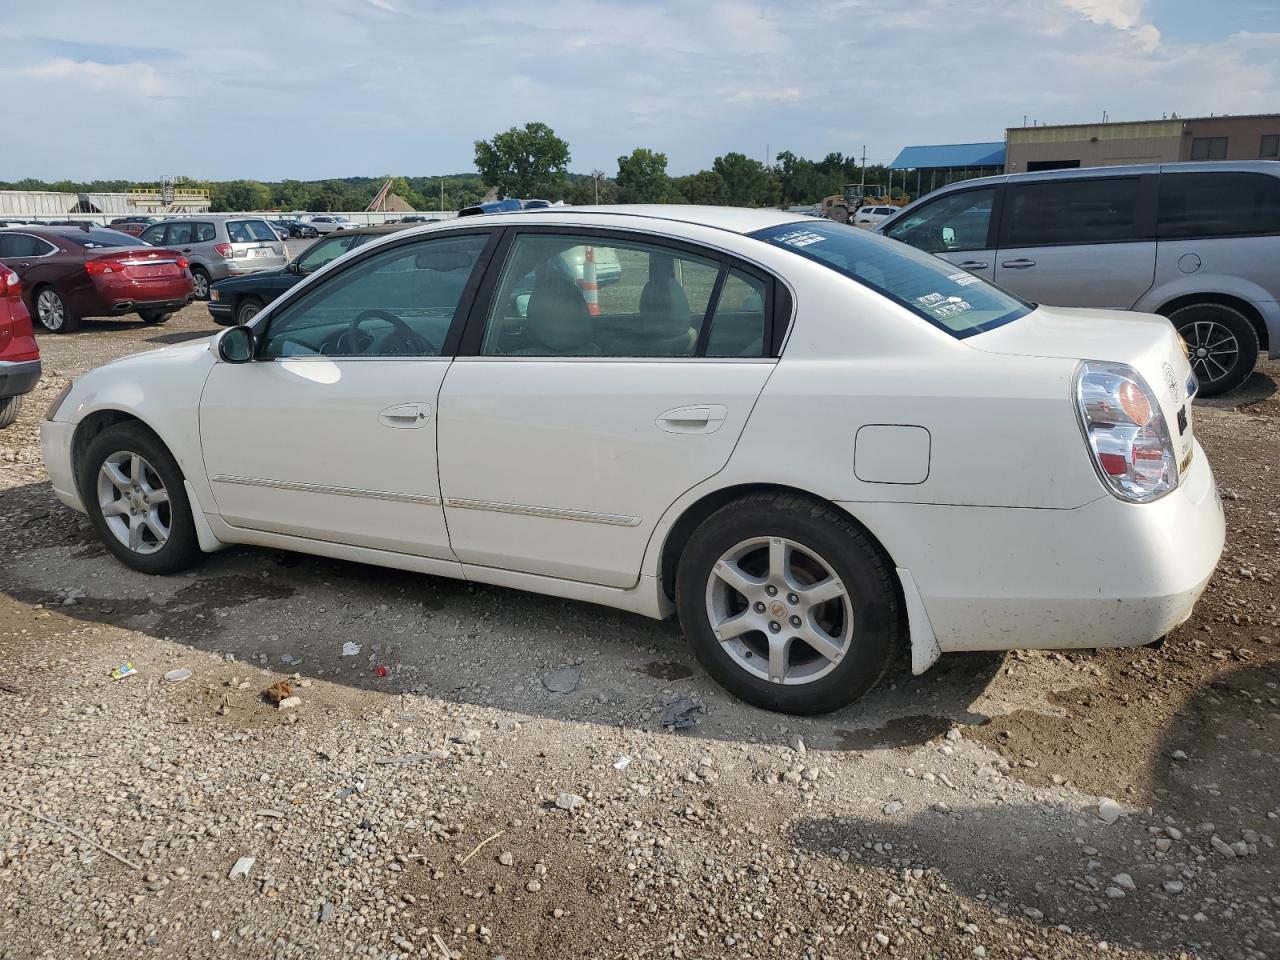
x=557, y=319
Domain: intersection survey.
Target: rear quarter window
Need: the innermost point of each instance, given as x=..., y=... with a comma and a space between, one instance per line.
x=1224, y=204
x=951, y=299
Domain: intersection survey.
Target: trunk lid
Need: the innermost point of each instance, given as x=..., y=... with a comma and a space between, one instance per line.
x=141, y=263
x=1144, y=341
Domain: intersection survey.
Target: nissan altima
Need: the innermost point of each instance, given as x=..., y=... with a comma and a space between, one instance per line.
x=818, y=448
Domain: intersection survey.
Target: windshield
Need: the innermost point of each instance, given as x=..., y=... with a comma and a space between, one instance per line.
x=100, y=238
x=323, y=251
x=949, y=298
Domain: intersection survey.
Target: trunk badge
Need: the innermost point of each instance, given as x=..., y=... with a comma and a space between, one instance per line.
x=1171, y=380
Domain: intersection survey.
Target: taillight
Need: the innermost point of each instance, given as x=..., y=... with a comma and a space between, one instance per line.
x=182, y=263
x=1131, y=445
x=224, y=250
x=102, y=266
x=10, y=285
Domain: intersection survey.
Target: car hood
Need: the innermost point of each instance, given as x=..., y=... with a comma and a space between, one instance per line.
x=189, y=351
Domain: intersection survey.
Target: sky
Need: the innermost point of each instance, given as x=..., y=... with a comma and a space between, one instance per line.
x=332, y=88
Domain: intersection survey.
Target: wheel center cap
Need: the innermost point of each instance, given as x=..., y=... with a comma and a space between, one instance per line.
x=1201, y=352
x=778, y=609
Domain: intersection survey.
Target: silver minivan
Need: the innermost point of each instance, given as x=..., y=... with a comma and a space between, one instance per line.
x=220, y=246
x=1198, y=243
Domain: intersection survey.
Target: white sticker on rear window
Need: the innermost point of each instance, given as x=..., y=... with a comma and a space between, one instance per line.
x=943, y=306
x=963, y=279
x=800, y=238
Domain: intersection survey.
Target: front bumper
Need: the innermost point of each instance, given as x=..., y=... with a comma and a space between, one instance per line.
x=55, y=446
x=1107, y=574
x=18, y=377
x=221, y=312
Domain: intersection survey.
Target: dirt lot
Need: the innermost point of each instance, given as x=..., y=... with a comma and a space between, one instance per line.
x=456, y=807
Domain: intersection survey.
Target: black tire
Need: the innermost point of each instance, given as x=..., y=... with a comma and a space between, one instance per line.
x=153, y=317
x=10, y=407
x=182, y=549
x=48, y=296
x=871, y=586
x=202, y=283
x=247, y=309
x=1204, y=325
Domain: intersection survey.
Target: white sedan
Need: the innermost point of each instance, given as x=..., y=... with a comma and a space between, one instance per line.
x=816, y=446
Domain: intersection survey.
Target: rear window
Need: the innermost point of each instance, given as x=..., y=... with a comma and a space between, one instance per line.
x=950, y=298
x=1218, y=205
x=249, y=231
x=100, y=238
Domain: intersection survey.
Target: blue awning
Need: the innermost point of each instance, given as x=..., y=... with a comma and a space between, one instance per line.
x=950, y=156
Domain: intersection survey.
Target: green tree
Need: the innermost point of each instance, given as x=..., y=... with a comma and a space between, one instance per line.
x=747, y=182
x=528, y=162
x=642, y=178
x=236, y=195
x=705, y=186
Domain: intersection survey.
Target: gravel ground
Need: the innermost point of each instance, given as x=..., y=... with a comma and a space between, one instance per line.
x=430, y=796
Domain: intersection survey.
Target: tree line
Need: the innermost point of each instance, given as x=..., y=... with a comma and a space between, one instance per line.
x=529, y=162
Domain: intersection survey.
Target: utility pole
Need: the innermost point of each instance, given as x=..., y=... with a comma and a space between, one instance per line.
x=863, y=185
x=442, y=194
x=597, y=176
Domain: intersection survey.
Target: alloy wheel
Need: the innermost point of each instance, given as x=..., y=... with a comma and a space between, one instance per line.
x=201, y=285
x=134, y=502
x=779, y=610
x=51, y=310
x=1212, y=349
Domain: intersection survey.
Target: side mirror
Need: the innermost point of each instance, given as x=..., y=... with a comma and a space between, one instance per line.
x=293, y=268
x=236, y=345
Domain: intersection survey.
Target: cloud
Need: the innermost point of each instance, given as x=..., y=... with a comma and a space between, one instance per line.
x=1122, y=14
x=138, y=79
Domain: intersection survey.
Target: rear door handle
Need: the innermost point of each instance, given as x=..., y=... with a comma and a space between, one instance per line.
x=1020, y=264
x=973, y=264
x=405, y=416
x=695, y=418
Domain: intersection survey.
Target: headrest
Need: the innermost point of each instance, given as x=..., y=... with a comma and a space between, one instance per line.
x=664, y=309
x=557, y=314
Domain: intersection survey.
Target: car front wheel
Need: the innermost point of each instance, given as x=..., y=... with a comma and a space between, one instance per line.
x=133, y=490
x=788, y=604
x=247, y=310
x=10, y=407
x=153, y=317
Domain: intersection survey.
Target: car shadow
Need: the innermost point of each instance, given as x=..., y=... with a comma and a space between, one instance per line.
x=1256, y=389
x=1052, y=862
x=448, y=639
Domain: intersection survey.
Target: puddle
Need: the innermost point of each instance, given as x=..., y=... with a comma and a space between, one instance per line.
x=665, y=670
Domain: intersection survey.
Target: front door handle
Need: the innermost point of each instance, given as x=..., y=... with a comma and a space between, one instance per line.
x=973, y=264
x=695, y=418
x=1020, y=264
x=405, y=416
x=23, y=266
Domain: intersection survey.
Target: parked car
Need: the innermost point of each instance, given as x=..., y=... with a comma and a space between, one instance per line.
x=1195, y=242
x=19, y=354
x=870, y=216
x=324, y=223
x=239, y=299
x=416, y=219
x=220, y=246
x=71, y=273
x=280, y=227
x=299, y=229
x=132, y=225
x=819, y=447
x=508, y=205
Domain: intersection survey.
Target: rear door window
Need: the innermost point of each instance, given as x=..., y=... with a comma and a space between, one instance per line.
x=1055, y=212
x=249, y=231
x=1196, y=205
x=205, y=232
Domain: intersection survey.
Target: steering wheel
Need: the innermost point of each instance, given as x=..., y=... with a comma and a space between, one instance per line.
x=354, y=342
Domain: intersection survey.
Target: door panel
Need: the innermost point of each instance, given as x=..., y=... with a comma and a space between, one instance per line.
x=305, y=447
x=563, y=467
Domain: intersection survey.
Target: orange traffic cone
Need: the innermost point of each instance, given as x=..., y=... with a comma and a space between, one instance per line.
x=590, y=289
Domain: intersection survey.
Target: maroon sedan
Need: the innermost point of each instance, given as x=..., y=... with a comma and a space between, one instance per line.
x=131, y=225
x=69, y=273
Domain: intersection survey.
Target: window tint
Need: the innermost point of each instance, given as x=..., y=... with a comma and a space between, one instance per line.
x=99, y=238
x=397, y=303
x=1218, y=204
x=737, y=326
x=325, y=250
x=23, y=245
x=249, y=231
x=1096, y=210
x=181, y=234
x=153, y=235
x=1209, y=148
x=583, y=296
x=952, y=299
x=205, y=232
x=1269, y=148
x=957, y=221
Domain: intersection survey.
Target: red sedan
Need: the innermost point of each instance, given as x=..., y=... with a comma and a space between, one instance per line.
x=19, y=355
x=70, y=273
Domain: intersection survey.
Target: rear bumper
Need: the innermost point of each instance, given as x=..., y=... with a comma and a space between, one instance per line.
x=18, y=377
x=1107, y=574
x=55, y=446
x=119, y=296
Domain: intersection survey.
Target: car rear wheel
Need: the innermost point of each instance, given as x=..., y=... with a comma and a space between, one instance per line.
x=1222, y=345
x=53, y=313
x=10, y=407
x=788, y=604
x=247, y=310
x=155, y=316
x=201, y=279
x=134, y=492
